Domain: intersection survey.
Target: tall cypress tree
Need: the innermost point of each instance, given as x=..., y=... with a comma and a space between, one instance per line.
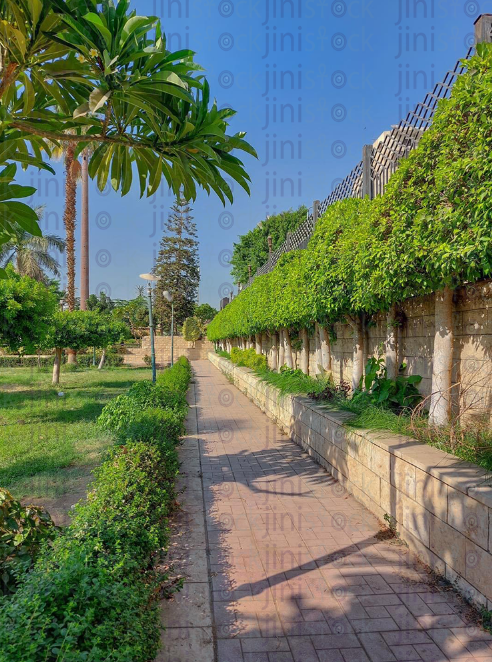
x=177, y=266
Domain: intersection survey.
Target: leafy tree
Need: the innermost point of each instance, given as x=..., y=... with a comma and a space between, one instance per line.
x=101, y=304
x=252, y=248
x=177, y=266
x=30, y=256
x=205, y=312
x=80, y=73
x=134, y=313
x=26, y=310
x=193, y=329
x=79, y=329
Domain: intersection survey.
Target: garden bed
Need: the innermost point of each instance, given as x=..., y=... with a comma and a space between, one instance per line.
x=92, y=593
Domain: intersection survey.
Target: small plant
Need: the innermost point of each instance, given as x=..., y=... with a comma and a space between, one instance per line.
x=147, y=360
x=396, y=393
x=23, y=529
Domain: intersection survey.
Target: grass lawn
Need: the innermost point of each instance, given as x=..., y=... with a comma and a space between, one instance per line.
x=49, y=443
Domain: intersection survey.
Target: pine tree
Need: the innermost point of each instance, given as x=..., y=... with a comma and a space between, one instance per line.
x=177, y=267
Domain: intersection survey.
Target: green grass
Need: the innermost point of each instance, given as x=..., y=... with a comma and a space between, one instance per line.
x=50, y=443
x=294, y=382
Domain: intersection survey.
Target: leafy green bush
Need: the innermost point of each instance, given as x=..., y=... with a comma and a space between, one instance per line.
x=193, y=329
x=22, y=531
x=83, y=360
x=376, y=388
x=252, y=248
x=248, y=358
x=223, y=354
x=92, y=594
x=150, y=424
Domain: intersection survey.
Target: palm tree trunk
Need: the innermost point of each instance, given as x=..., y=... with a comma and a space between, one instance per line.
x=84, y=235
x=69, y=222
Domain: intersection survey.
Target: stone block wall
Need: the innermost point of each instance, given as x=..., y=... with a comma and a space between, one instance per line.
x=192, y=351
x=472, y=344
x=442, y=506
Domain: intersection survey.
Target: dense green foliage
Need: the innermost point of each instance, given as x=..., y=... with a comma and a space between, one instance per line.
x=248, y=358
x=252, y=248
x=193, y=329
x=432, y=228
x=104, y=75
x=377, y=388
x=205, y=312
x=26, y=309
x=84, y=328
x=92, y=593
x=113, y=359
x=22, y=531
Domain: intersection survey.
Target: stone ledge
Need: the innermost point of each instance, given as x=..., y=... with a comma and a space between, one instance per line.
x=442, y=505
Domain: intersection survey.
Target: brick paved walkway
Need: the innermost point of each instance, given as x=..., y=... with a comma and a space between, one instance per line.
x=297, y=573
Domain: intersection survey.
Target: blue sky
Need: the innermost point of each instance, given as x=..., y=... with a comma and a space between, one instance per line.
x=312, y=82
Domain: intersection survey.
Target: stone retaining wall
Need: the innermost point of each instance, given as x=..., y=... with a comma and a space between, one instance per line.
x=472, y=351
x=193, y=351
x=442, y=505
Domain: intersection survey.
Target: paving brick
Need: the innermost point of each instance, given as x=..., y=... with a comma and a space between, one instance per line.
x=297, y=573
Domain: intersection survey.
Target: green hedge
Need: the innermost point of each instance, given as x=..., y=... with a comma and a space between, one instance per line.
x=92, y=593
x=248, y=358
x=431, y=229
x=113, y=359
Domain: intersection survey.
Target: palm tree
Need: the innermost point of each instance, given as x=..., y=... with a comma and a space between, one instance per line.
x=84, y=232
x=30, y=255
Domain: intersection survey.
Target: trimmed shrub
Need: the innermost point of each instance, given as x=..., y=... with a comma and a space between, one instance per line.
x=92, y=594
x=248, y=358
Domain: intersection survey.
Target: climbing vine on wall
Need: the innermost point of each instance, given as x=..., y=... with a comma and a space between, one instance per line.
x=431, y=229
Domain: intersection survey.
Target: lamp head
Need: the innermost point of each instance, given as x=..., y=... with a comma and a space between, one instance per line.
x=149, y=277
x=168, y=295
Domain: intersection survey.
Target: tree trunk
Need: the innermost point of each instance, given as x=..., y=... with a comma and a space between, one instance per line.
x=305, y=352
x=358, y=352
x=84, y=235
x=69, y=222
x=273, y=353
x=325, y=348
x=281, y=349
x=56, y=366
x=103, y=358
x=258, y=343
x=391, y=344
x=442, y=364
x=288, y=350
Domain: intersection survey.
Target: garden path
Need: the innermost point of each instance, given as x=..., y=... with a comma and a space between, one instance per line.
x=285, y=565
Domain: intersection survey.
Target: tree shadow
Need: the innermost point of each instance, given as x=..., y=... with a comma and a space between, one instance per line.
x=292, y=554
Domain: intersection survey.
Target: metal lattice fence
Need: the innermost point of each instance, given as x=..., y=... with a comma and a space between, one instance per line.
x=371, y=175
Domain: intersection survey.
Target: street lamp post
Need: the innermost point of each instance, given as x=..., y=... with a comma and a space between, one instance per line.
x=150, y=278
x=170, y=298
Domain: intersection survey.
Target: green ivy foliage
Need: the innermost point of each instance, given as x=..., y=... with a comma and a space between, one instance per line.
x=252, y=248
x=432, y=228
